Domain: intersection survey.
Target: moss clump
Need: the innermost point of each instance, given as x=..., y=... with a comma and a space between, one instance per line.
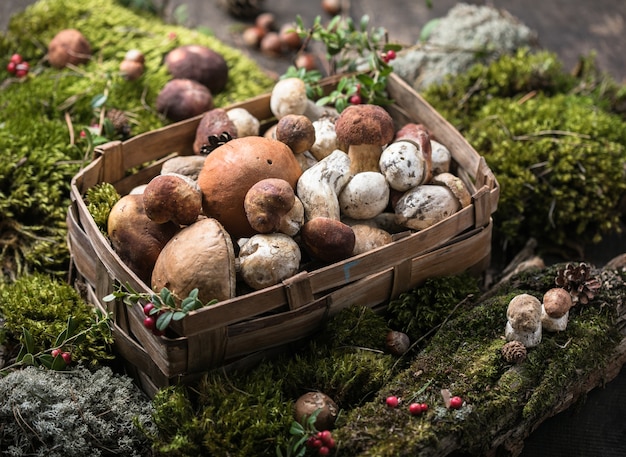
x=42, y=115
x=100, y=200
x=41, y=304
x=553, y=142
x=72, y=414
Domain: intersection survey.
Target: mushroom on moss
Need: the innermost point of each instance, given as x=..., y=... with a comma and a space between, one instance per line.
x=555, y=309
x=181, y=99
x=524, y=320
x=69, y=46
x=200, y=64
x=364, y=130
x=311, y=402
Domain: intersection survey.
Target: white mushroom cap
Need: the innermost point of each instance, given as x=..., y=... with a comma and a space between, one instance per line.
x=245, y=122
x=267, y=259
x=425, y=205
x=365, y=196
x=325, y=137
x=441, y=157
x=288, y=97
x=403, y=165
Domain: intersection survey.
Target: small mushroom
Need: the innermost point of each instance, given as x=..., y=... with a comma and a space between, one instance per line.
x=328, y=240
x=267, y=259
x=524, y=320
x=245, y=122
x=214, y=122
x=420, y=137
x=69, y=46
x=325, y=137
x=132, y=66
x=319, y=186
x=200, y=256
x=200, y=64
x=425, y=205
x=368, y=237
x=365, y=195
x=289, y=97
x=364, y=129
x=135, y=237
x=181, y=99
x=172, y=197
x=311, y=402
x=555, y=309
x=292, y=222
x=267, y=202
x=397, y=343
x=296, y=131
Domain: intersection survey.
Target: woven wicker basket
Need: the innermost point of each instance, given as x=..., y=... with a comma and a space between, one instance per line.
x=239, y=330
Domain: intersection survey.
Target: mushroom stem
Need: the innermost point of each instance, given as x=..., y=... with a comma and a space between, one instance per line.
x=364, y=157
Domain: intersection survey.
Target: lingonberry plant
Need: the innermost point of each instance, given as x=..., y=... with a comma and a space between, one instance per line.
x=360, y=53
x=160, y=309
x=304, y=436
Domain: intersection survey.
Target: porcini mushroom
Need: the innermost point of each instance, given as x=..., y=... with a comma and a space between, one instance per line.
x=189, y=166
x=368, y=237
x=441, y=157
x=296, y=131
x=364, y=129
x=183, y=98
x=325, y=137
x=555, y=309
x=266, y=259
x=365, y=195
x=425, y=205
x=214, y=122
x=456, y=186
x=420, y=137
x=267, y=202
x=172, y=197
x=311, y=402
x=200, y=256
x=319, y=186
x=69, y=46
x=231, y=169
x=524, y=320
x=132, y=66
x=328, y=240
x=245, y=122
x=200, y=64
x=403, y=165
x=135, y=237
x=289, y=97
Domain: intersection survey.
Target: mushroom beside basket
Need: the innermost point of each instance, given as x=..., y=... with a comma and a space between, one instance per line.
x=242, y=329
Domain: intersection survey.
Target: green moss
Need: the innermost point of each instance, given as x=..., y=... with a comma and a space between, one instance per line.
x=100, y=200
x=41, y=114
x=42, y=304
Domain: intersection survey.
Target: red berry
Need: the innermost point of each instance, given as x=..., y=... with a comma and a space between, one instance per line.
x=325, y=436
x=149, y=323
x=56, y=352
x=424, y=407
x=323, y=451
x=456, y=402
x=147, y=308
x=11, y=67
x=356, y=99
x=16, y=58
x=415, y=409
x=315, y=442
x=21, y=73
x=390, y=55
x=392, y=401
x=67, y=357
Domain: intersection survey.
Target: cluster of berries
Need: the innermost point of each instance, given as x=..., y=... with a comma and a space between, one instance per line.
x=322, y=441
x=18, y=66
x=388, y=56
x=66, y=356
x=418, y=408
x=152, y=314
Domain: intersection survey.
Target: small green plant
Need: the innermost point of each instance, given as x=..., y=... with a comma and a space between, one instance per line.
x=354, y=50
x=304, y=436
x=160, y=309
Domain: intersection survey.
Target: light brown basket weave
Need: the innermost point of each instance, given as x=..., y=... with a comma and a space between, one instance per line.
x=240, y=329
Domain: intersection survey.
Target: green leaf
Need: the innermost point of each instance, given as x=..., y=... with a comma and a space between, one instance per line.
x=164, y=320
x=58, y=364
x=98, y=101
x=28, y=359
x=61, y=338
x=108, y=298
x=296, y=428
x=47, y=360
x=29, y=342
x=178, y=315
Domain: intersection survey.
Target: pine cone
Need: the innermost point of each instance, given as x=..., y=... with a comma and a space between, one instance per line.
x=242, y=8
x=514, y=352
x=120, y=122
x=577, y=280
x=215, y=141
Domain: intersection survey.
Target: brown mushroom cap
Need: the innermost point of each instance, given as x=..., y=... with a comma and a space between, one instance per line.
x=200, y=64
x=135, y=238
x=214, y=122
x=368, y=237
x=456, y=186
x=524, y=312
x=328, y=240
x=69, y=46
x=172, y=197
x=310, y=402
x=266, y=203
x=199, y=256
x=183, y=98
x=296, y=131
x=231, y=169
x=364, y=129
x=557, y=302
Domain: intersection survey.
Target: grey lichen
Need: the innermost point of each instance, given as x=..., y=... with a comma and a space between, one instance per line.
x=468, y=34
x=72, y=413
